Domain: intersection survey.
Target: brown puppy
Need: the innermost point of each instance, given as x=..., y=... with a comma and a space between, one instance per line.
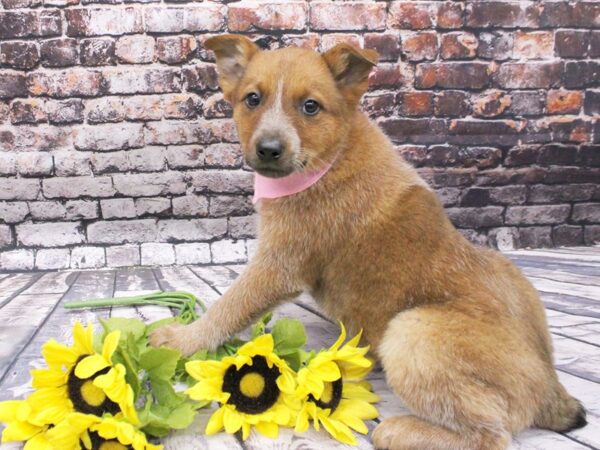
x=460, y=332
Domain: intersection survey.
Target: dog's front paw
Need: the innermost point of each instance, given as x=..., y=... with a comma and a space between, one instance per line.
x=175, y=336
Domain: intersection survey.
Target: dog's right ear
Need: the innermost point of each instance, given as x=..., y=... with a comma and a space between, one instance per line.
x=233, y=54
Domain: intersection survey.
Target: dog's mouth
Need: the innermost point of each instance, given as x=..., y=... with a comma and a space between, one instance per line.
x=273, y=172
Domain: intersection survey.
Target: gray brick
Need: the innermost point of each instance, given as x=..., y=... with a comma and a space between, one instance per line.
x=122, y=231
x=71, y=163
x=535, y=237
x=193, y=253
x=230, y=205
x=19, y=189
x=185, y=156
x=16, y=260
x=190, y=206
x=122, y=256
x=228, y=251
x=537, y=215
x=117, y=208
x=586, y=213
x=52, y=259
x=153, y=206
x=191, y=230
x=74, y=187
x=223, y=181
x=6, y=237
x=147, y=159
x=243, y=227
x=145, y=185
x=54, y=234
x=155, y=254
x=109, y=137
x=88, y=258
x=34, y=164
x=82, y=209
x=488, y=216
x=13, y=212
x=47, y=210
x=8, y=163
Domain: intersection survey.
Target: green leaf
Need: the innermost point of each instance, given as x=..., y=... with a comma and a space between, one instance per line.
x=259, y=327
x=160, y=363
x=165, y=394
x=134, y=326
x=289, y=335
x=159, y=323
x=294, y=360
x=182, y=416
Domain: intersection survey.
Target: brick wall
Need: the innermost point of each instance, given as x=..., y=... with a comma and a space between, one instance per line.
x=116, y=147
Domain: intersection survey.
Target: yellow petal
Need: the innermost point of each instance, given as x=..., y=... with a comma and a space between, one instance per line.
x=245, y=431
x=52, y=377
x=341, y=339
x=12, y=410
x=356, y=391
x=286, y=382
x=268, y=429
x=215, y=423
x=232, y=420
x=59, y=355
x=38, y=442
x=339, y=431
x=90, y=365
x=83, y=339
x=110, y=344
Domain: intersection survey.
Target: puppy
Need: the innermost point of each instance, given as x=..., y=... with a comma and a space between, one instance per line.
x=460, y=332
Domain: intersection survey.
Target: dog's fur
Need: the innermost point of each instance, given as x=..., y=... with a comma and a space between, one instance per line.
x=460, y=332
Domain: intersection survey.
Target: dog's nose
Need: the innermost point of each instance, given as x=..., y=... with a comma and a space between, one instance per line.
x=269, y=149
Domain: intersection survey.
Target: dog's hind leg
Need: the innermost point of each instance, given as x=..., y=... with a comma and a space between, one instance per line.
x=467, y=382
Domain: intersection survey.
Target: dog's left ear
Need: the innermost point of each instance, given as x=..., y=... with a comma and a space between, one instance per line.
x=233, y=53
x=350, y=67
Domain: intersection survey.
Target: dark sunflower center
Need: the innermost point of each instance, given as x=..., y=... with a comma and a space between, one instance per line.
x=332, y=394
x=88, y=398
x=99, y=443
x=253, y=388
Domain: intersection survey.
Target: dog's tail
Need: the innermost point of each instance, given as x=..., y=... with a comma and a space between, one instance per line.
x=561, y=412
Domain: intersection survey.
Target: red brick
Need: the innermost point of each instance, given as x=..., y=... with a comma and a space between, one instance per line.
x=15, y=24
x=564, y=102
x=309, y=40
x=59, y=52
x=533, y=45
x=386, y=44
x=27, y=111
x=173, y=50
x=66, y=83
x=496, y=45
x=207, y=17
x=102, y=21
x=572, y=43
x=582, y=14
x=279, y=16
x=581, y=74
x=533, y=75
x=379, y=104
x=451, y=104
x=180, y=106
x=415, y=103
x=470, y=75
x=12, y=84
x=331, y=40
x=459, y=46
x=491, y=104
x=19, y=54
x=420, y=46
x=97, y=52
x=215, y=106
x=505, y=14
x=484, y=132
x=200, y=77
x=409, y=15
x=418, y=131
x=135, y=49
x=391, y=75
x=347, y=16
x=151, y=80
x=450, y=15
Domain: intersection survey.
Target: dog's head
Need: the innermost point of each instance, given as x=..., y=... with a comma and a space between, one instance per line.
x=291, y=106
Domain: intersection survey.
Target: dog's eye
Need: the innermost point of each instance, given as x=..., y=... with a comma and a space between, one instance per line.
x=252, y=100
x=310, y=107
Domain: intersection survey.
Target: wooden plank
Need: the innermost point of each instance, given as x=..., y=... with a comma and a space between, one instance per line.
x=572, y=258
x=87, y=285
x=547, y=264
x=218, y=277
x=557, y=287
x=184, y=279
x=571, y=304
x=577, y=358
x=14, y=284
x=562, y=276
x=52, y=283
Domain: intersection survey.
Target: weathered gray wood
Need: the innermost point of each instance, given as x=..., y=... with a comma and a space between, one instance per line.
x=562, y=276
x=557, y=287
x=572, y=256
x=14, y=284
x=87, y=285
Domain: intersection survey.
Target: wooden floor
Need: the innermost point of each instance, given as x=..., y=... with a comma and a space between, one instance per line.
x=31, y=313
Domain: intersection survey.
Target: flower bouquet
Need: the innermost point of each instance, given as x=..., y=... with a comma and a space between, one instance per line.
x=109, y=390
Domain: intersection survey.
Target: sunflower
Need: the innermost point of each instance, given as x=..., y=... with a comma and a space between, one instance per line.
x=333, y=391
x=17, y=415
x=80, y=379
x=255, y=388
x=86, y=431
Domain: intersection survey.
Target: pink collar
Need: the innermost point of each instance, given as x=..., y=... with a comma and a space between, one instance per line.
x=266, y=187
